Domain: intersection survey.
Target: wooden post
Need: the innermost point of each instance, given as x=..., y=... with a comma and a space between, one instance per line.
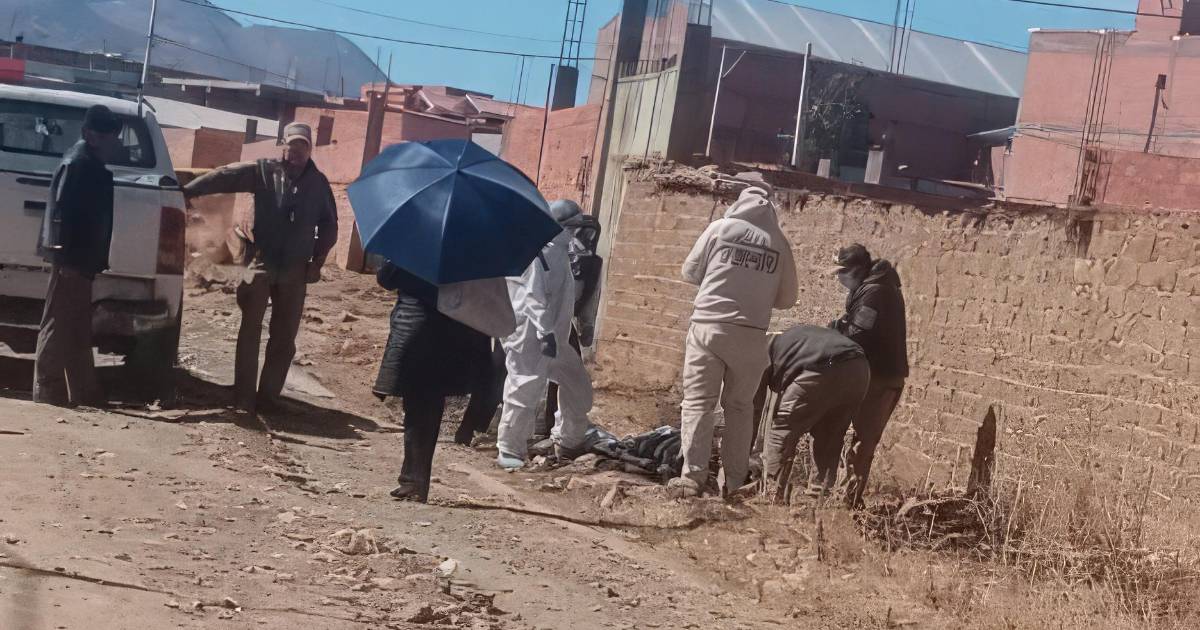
x=984, y=458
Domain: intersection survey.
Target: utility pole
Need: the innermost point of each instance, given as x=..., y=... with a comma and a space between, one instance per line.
x=798, y=138
x=895, y=29
x=146, y=59
x=1159, y=86
x=712, y=123
x=545, y=124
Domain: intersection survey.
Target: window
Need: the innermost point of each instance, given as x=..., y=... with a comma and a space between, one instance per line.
x=46, y=129
x=1189, y=23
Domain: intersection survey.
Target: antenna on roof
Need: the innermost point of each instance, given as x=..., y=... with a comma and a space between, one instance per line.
x=146, y=59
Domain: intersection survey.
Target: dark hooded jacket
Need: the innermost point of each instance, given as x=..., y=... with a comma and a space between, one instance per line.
x=81, y=203
x=426, y=350
x=803, y=348
x=875, y=320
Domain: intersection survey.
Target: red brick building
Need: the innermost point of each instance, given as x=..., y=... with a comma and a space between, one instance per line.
x=1110, y=117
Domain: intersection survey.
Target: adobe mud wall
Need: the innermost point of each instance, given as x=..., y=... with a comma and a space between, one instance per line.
x=1084, y=330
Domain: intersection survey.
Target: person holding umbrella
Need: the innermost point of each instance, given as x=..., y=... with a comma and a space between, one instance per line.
x=453, y=221
x=428, y=357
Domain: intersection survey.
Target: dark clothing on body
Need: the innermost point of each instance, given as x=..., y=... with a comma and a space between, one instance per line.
x=285, y=292
x=428, y=356
x=803, y=348
x=294, y=221
x=64, y=370
x=77, y=226
x=875, y=320
x=75, y=237
x=872, y=418
x=821, y=376
x=487, y=393
x=426, y=350
x=821, y=401
x=293, y=227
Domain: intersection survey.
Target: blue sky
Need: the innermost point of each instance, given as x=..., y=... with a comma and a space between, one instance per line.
x=535, y=27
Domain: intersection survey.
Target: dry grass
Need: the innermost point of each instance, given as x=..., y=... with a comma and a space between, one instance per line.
x=1067, y=533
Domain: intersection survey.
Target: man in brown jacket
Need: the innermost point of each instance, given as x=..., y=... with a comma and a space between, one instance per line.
x=293, y=228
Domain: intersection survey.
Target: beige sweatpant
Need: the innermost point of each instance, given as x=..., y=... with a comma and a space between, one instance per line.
x=725, y=363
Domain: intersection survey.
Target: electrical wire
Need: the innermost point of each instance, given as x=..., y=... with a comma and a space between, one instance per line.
x=980, y=41
x=510, y=53
x=442, y=26
x=1081, y=7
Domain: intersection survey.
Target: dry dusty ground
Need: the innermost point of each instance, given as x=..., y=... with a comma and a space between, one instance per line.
x=131, y=518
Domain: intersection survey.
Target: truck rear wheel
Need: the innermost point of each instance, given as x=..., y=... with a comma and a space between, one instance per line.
x=153, y=362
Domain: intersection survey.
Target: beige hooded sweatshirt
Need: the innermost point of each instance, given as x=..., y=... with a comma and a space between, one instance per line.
x=743, y=265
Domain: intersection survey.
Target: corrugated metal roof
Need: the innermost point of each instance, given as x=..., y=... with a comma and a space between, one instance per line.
x=300, y=59
x=860, y=42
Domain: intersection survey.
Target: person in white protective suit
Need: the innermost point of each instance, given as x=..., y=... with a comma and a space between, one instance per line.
x=543, y=300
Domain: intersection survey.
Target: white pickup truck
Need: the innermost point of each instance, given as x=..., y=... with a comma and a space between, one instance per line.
x=136, y=303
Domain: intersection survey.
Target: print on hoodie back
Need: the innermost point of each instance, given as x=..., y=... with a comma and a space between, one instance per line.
x=743, y=265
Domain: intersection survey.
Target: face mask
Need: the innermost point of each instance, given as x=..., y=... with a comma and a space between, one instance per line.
x=848, y=279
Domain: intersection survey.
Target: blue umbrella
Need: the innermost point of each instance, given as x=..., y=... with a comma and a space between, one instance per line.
x=450, y=211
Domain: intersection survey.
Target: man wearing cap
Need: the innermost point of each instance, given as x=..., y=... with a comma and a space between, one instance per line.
x=743, y=266
x=875, y=320
x=293, y=228
x=75, y=238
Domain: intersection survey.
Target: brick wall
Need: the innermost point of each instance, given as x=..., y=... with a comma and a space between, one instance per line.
x=567, y=169
x=1145, y=180
x=1083, y=329
x=212, y=216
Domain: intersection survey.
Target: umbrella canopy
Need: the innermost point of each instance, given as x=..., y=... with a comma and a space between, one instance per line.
x=449, y=211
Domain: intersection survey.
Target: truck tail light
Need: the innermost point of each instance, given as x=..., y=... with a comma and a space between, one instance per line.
x=172, y=241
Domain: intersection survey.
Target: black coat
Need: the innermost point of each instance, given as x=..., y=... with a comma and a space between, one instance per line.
x=426, y=350
x=806, y=348
x=81, y=199
x=875, y=320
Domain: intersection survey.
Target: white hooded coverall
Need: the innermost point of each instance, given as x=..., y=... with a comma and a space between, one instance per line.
x=543, y=300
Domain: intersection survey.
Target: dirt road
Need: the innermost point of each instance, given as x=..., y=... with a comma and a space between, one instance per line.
x=135, y=519
x=192, y=518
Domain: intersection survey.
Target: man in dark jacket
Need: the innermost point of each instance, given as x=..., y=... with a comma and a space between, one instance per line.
x=292, y=231
x=75, y=237
x=875, y=320
x=822, y=377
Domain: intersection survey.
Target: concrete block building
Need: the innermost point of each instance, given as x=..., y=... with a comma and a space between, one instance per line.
x=1110, y=117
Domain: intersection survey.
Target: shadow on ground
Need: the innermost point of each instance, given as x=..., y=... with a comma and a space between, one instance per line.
x=198, y=400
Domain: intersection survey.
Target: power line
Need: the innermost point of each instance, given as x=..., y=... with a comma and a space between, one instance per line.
x=510, y=53
x=1081, y=7
x=442, y=26
x=981, y=41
